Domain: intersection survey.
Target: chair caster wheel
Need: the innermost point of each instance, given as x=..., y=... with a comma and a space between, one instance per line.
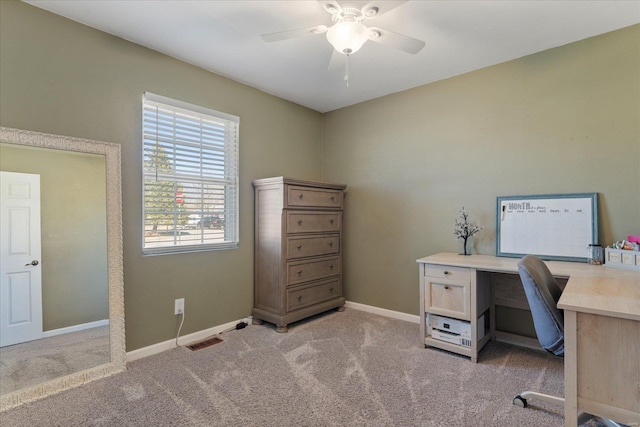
x=520, y=401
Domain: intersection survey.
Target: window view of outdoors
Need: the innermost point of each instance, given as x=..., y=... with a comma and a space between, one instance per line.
x=190, y=179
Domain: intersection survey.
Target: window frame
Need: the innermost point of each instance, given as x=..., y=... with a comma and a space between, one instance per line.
x=231, y=239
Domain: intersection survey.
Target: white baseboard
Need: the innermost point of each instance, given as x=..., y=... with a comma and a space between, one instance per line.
x=200, y=335
x=413, y=318
x=75, y=328
x=185, y=339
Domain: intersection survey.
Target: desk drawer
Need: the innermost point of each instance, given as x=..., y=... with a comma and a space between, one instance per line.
x=300, y=247
x=459, y=274
x=448, y=298
x=304, y=296
x=313, y=222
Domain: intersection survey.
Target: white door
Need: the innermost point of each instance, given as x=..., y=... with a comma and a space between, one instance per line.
x=20, y=268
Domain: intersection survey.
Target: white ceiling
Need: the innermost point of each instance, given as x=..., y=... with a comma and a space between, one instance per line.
x=460, y=36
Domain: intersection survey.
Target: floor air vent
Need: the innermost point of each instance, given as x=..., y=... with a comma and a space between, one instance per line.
x=203, y=344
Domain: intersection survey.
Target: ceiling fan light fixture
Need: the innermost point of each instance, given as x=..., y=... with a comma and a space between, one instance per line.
x=347, y=36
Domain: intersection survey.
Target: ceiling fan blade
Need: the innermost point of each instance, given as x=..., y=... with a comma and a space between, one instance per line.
x=377, y=8
x=337, y=61
x=331, y=6
x=399, y=41
x=290, y=34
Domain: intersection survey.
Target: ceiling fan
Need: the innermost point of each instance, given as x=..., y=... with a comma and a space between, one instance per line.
x=348, y=33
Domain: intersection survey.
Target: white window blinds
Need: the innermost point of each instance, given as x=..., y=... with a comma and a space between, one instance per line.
x=190, y=167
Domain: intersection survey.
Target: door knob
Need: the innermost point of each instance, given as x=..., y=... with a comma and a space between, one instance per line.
x=34, y=262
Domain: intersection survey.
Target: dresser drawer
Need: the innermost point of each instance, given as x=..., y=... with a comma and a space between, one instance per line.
x=460, y=274
x=303, y=296
x=313, y=222
x=304, y=246
x=304, y=271
x=310, y=197
x=448, y=298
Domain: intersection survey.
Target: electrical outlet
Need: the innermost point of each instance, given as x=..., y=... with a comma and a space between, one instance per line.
x=179, y=306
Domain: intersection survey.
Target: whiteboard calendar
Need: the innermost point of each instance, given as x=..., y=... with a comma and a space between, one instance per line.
x=554, y=227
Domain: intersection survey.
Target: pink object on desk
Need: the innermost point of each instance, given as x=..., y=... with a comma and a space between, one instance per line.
x=635, y=239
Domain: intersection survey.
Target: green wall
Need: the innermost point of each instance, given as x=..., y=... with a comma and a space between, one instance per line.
x=60, y=77
x=566, y=120
x=73, y=232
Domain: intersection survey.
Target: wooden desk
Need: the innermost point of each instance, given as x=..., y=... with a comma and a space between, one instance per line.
x=602, y=347
x=602, y=326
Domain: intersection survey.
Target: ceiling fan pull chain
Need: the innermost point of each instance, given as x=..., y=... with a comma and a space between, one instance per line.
x=346, y=72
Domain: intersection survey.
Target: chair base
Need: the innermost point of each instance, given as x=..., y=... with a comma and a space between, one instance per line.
x=523, y=399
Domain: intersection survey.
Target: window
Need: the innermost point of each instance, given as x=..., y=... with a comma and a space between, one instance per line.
x=190, y=167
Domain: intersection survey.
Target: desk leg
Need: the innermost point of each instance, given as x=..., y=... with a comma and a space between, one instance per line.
x=492, y=311
x=570, y=369
x=423, y=317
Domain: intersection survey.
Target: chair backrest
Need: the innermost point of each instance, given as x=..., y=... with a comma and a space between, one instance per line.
x=543, y=294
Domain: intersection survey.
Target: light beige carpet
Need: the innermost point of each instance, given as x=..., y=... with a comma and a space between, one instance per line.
x=35, y=362
x=339, y=369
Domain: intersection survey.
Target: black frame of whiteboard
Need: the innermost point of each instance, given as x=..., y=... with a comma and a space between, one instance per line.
x=593, y=197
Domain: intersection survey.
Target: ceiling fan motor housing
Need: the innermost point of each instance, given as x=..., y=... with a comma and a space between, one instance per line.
x=348, y=12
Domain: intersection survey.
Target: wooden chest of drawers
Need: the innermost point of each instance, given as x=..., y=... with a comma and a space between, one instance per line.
x=298, y=250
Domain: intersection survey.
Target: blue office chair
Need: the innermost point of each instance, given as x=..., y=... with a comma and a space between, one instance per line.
x=543, y=293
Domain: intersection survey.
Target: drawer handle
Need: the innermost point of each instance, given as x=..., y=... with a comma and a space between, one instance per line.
x=333, y=198
x=300, y=196
x=299, y=247
x=331, y=267
x=299, y=272
x=299, y=298
x=331, y=221
x=330, y=290
x=446, y=273
x=446, y=287
x=299, y=222
x=330, y=244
